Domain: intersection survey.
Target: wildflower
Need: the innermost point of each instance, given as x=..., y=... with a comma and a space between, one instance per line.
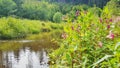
x=108, y=26
x=77, y=13
x=100, y=44
x=111, y=35
x=101, y=20
x=111, y=20
x=64, y=35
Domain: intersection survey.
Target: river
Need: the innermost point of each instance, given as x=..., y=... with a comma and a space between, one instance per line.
x=25, y=53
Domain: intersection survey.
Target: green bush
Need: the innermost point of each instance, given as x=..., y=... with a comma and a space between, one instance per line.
x=57, y=17
x=13, y=28
x=90, y=42
x=17, y=28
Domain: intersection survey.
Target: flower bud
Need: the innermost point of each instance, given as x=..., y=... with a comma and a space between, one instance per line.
x=101, y=20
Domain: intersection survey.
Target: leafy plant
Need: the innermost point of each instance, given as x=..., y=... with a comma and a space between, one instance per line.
x=89, y=41
x=7, y=7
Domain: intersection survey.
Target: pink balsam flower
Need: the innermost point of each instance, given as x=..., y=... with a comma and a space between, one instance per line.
x=77, y=13
x=64, y=35
x=111, y=20
x=111, y=35
x=108, y=26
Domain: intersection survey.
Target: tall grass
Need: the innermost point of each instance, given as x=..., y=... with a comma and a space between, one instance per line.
x=12, y=28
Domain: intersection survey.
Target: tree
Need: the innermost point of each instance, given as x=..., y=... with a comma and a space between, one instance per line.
x=38, y=10
x=57, y=17
x=7, y=7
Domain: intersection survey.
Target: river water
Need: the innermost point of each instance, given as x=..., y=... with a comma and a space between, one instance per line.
x=24, y=54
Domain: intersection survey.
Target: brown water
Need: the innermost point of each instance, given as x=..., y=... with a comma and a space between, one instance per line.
x=25, y=54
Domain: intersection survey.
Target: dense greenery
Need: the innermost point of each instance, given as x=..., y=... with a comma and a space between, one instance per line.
x=91, y=29
x=7, y=7
x=114, y=5
x=90, y=40
x=13, y=28
x=42, y=9
x=57, y=17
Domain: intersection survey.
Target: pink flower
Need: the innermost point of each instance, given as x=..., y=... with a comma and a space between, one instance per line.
x=108, y=26
x=100, y=44
x=64, y=35
x=77, y=13
x=111, y=20
x=111, y=35
x=101, y=20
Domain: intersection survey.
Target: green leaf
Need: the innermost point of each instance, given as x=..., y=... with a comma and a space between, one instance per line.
x=118, y=44
x=102, y=59
x=68, y=57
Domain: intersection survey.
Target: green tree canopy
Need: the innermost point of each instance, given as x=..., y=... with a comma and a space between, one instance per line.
x=7, y=7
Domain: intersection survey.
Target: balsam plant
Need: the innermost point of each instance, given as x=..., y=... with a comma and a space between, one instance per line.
x=89, y=41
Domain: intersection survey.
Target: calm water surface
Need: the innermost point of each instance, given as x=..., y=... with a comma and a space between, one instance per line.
x=24, y=54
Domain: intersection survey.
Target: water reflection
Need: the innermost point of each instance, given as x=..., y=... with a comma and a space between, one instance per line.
x=27, y=55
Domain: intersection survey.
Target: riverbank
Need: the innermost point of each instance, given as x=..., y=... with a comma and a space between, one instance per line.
x=13, y=28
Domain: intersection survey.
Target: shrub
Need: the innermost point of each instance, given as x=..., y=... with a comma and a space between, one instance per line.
x=57, y=17
x=13, y=28
x=91, y=42
x=16, y=28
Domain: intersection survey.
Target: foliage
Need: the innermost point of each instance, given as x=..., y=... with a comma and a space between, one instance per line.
x=19, y=28
x=38, y=10
x=89, y=41
x=15, y=28
x=95, y=10
x=64, y=8
x=7, y=7
x=57, y=17
x=114, y=6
